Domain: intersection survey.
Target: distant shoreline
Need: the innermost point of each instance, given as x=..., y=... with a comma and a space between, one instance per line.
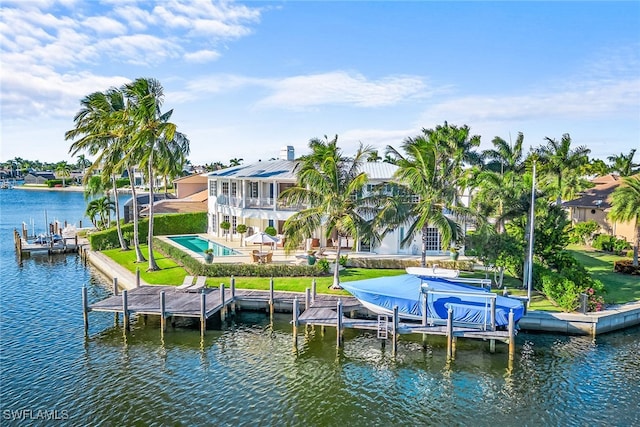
x=73, y=188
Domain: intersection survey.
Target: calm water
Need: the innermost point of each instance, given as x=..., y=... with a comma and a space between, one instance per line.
x=247, y=372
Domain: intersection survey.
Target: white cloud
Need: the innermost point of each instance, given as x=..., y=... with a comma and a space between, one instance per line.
x=202, y=56
x=104, y=25
x=340, y=87
x=578, y=102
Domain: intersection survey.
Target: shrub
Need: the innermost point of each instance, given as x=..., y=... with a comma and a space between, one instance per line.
x=582, y=233
x=189, y=223
x=323, y=265
x=271, y=231
x=603, y=242
x=344, y=260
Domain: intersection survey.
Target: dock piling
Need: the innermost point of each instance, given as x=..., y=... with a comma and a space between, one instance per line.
x=115, y=286
x=125, y=310
x=85, y=309
x=339, y=338
x=163, y=320
x=232, y=284
x=203, y=312
x=295, y=322
x=307, y=299
x=271, y=297
x=313, y=289
x=223, y=310
x=512, y=336
x=137, y=277
x=394, y=327
x=450, y=334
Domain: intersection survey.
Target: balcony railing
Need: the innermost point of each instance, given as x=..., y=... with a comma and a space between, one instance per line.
x=257, y=203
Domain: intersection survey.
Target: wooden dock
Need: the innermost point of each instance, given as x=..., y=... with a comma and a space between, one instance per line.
x=319, y=310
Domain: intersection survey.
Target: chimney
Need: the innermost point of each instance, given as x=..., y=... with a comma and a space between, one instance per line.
x=287, y=153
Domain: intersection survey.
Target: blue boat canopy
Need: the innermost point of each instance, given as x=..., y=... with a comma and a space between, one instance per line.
x=469, y=303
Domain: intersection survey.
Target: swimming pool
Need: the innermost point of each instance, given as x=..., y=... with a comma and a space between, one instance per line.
x=198, y=244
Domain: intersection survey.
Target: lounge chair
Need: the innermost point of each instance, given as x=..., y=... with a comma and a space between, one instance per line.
x=186, y=283
x=201, y=283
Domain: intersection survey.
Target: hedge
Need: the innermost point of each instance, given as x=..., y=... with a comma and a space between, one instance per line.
x=185, y=223
x=379, y=263
x=198, y=268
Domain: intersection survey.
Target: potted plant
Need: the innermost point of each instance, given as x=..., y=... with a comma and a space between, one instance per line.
x=208, y=255
x=225, y=225
x=241, y=229
x=311, y=257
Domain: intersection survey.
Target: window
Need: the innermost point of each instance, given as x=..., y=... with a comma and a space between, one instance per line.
x=433, y=239
x=253, y=188
x=214, y=225
x=234, y=224
x=213, y=188
x=225, y=188
x=234, y=189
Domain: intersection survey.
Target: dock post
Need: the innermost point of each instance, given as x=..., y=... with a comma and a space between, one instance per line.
x=232, y=284
x=339, y=325
x=450, y=334
x=163, y=307
x=512, y=336
x=85, y=309
x=125, y=310
x=394, y=330
x=223, y=310
x=115, y=286
x=271, y=298
x=493, y=314
x=424, y=319
x=307, y=299
x=203, y=312
x=295, y=322
x=313, y=289
x=137, y=277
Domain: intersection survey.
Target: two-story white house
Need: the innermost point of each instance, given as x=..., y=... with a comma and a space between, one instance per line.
x=248, y=194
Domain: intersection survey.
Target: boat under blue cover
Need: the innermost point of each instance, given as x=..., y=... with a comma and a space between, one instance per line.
x=470, y=304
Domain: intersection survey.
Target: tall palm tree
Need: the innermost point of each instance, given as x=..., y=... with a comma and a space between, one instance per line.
x=374, y=156
x=64, y=170
x=505, y=157
x=235, y=162
x=99, y=124
x=558, y=161
x=623, y=164
x=329, y=184
x=625, y=207
x=430, y=189
x=155, y=139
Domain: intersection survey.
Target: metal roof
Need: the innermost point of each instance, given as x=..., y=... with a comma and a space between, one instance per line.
x=285, y=170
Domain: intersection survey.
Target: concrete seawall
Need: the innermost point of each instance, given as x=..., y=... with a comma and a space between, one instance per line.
x=596, y=323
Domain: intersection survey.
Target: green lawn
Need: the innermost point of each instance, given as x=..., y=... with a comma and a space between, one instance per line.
x=172, y=273
x=619, y=288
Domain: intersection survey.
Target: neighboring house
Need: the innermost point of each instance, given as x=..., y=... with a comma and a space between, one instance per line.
x=595, y=203
x=143, y=203
x=193, y=203
x=248, y=194
x=188, y=185
x=38, y=177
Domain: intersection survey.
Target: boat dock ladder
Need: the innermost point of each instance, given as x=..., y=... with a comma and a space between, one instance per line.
x=383, y=326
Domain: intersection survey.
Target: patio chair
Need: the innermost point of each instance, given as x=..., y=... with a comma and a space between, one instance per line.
x=186, y=283
x=255, y=256
x=201, y=283
x=269, y=258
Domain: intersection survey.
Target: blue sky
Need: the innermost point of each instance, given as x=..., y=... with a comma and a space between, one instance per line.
x=247, y=78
